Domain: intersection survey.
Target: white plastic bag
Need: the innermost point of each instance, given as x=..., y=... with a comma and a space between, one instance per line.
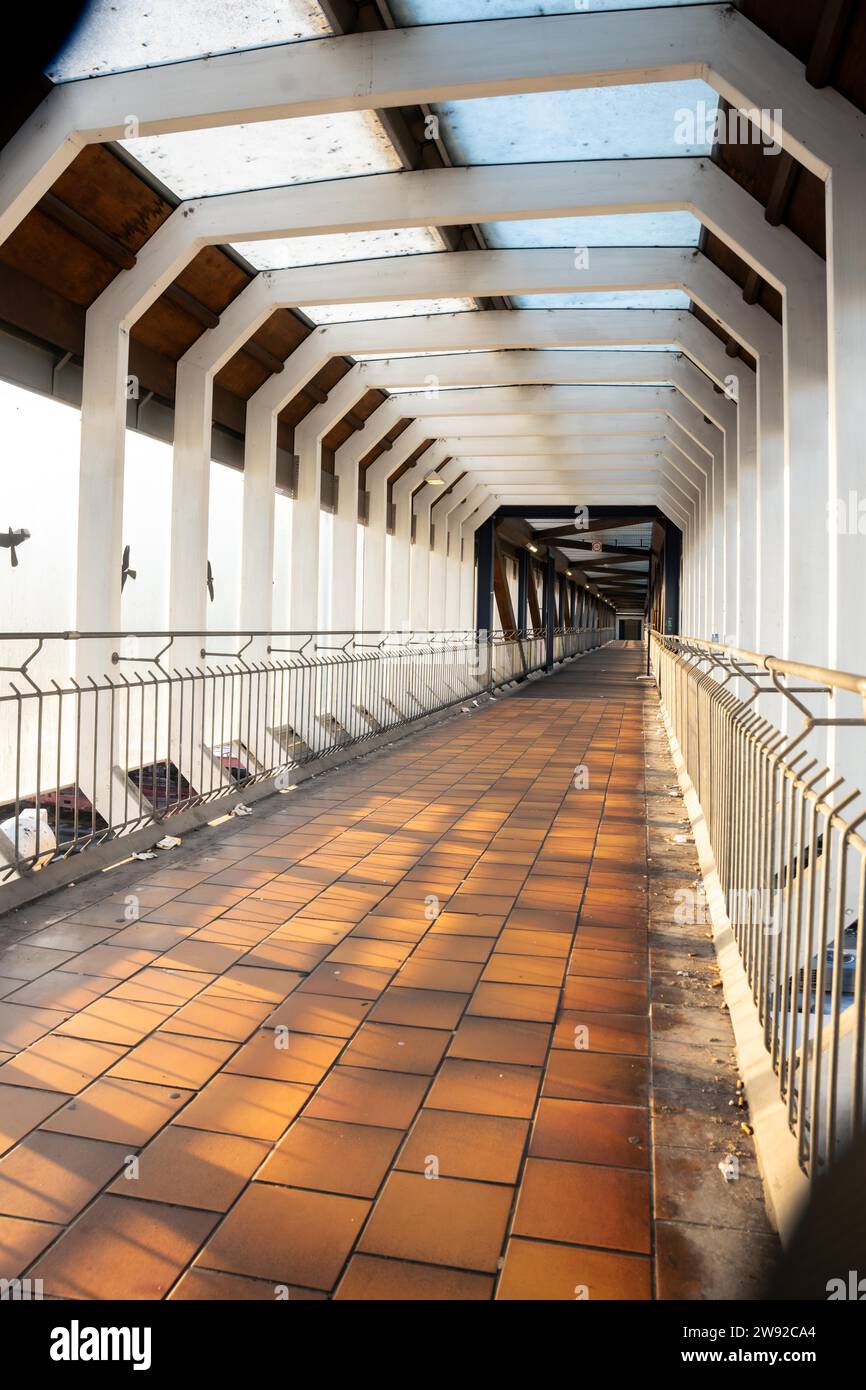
x=26, y=833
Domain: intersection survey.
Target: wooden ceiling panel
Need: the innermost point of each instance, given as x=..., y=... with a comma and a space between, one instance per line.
x=338, y=435
x=213, y=278
x=104, y=189
x=242, y=375
x=281, y=333
x=49, y=254
x=167, y=329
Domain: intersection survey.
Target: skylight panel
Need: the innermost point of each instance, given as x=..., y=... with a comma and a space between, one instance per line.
x=267, y=154
x=640, y=121
x=617, y=347
x=284, y=252
x=385, y=309
x=618, y=299
x=616, y=229
x=409, y=12
x=115, y=35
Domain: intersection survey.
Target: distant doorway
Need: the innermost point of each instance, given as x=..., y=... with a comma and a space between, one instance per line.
x=630, y=629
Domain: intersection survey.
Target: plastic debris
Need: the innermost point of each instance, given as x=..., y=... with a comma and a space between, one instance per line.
x=240, y=810
x=22, y=830
x=168, y=842
x=143, y=854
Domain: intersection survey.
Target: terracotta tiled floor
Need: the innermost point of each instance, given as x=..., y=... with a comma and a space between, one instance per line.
x=388, y=1039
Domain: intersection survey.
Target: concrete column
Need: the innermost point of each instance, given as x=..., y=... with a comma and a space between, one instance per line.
x=374, y=556
x=442, y=509
x=846, y=343
x=807, y=474
x=343, y=596
x=745, y=539
x=257, y=542
x=421, y=554
x=456, y=561
x=304, y=594
x=190, y=497
x=769, y=564
x=100, y=487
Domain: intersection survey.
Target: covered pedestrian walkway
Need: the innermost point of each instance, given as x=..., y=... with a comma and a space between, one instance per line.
x=432, y=660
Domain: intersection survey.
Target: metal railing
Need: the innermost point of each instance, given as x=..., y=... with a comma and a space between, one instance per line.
x=785, y=831
x=185, y=719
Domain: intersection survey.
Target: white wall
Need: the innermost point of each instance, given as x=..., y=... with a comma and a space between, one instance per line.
x=224, y=545
x=39, y=446
x=282, y=561
x=147, y=532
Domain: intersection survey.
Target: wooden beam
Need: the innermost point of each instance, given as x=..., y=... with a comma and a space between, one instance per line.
x=274, y=364
x=752, y=287
x=784, y=183
x=502, y=593
x=187, y=302
x=532, y=596
x=834, y=16
x=86, y=232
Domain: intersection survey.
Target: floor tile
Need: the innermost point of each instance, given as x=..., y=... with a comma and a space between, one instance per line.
x=501, y=1040
x=282, y=1055
x=419, y=1008
x=581, y=1204
x=20, y=1243
x=120, y=1112
x=393, y=1047
x=597, y=1076
x=169, y=1059
x=22, y=1110
x=389, y=1281
x=57, y=1063
x=441, y=1221
x=286, y=1235
x=359, y=1095
x=533, y=1003
x=328, y=1156
x=488, y=1148
x=123, y=1248
x=320, y=1013
x=192, y=1168
x=51, y=1177
x=23, y=1024
x=246, y=1105
x=485, y=1088
x=586, y=1132
x=536, y=1269
x=204, y=1286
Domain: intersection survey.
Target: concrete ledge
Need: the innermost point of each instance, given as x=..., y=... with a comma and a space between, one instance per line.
x=786, y=1186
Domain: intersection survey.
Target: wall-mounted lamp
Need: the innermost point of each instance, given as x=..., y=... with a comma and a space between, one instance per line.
x=533, y=548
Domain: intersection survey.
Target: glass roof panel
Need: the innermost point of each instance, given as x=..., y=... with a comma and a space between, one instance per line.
x=618, y=299
x=408, y=12
x=625, y=229
x=267, y=154
x=630, y=122
x=284, y=252
x=118, y=34
x=386, y=309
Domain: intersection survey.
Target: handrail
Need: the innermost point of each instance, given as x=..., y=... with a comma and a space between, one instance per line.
x=788, y=836
x=88, y=757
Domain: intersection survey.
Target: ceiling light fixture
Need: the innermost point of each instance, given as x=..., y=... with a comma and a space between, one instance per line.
x=434, y=480
x=533, y=548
